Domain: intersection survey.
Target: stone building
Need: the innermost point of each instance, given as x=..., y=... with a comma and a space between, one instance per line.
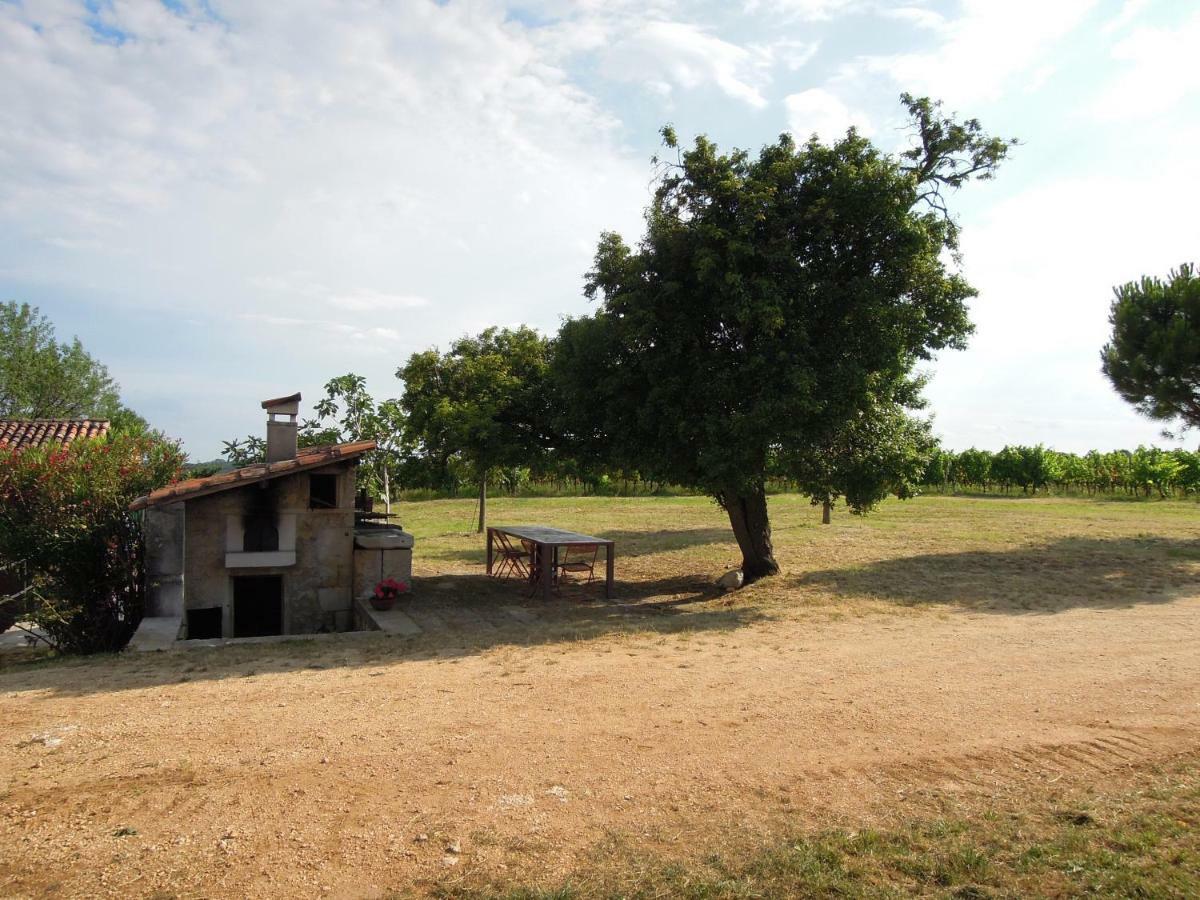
x=267, y=549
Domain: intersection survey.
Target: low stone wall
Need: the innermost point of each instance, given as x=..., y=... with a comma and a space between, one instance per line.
x=379, y=554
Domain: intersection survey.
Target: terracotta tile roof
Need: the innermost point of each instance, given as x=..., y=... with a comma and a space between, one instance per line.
x=309, y=458
x=22, y=433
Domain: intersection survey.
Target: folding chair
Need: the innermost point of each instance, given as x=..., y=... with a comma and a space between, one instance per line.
x=578, y=558
x=512, y=561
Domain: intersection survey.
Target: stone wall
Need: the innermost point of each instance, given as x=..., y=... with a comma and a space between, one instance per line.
x=317, y=588
x=164, y=559
x=378, y=555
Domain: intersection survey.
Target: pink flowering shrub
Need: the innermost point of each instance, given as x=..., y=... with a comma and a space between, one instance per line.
x=65, y=511
x=390, y=589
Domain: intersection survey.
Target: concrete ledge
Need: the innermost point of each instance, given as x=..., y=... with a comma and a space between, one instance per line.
x=156, y=633
x=383, y=539
x=391, y=621
x=260, y=560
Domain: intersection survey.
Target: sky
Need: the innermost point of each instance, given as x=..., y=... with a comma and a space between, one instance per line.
x=233, y=201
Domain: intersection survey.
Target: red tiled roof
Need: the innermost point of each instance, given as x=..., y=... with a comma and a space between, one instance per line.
x=22, y=433
x=309, y=458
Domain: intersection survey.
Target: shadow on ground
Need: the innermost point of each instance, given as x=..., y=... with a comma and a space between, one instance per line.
x=1071, y=573
x=629, y=543
x=462, y=616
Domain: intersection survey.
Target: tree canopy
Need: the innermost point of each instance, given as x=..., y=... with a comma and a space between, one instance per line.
x=483, y=400
x=1153, y=356
x=773, y=302
x=43, y=378
x=357, y=417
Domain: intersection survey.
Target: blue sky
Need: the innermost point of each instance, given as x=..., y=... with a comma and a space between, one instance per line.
x=233, y=201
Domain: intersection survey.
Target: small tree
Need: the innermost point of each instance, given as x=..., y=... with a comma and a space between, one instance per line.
x=1153, y=356
x=483, y=400
x=357, y=417
x=64, y=511
x=883, y=450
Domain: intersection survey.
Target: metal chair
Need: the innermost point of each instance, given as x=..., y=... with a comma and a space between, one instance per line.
x=512, y=561
x=578, y=558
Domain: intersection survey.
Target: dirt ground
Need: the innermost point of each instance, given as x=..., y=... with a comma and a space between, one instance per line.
x=368, y=766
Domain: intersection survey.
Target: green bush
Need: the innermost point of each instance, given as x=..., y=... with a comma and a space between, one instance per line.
x=65, y=512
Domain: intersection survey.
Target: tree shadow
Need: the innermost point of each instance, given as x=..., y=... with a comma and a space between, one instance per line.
x=459, y=616
x=629, y=543
x=1089, y=573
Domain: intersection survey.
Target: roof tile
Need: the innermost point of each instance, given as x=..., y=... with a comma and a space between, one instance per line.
x=309, y=458
x=22, y=433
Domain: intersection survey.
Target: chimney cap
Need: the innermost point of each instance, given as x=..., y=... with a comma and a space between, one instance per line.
x=292, y=400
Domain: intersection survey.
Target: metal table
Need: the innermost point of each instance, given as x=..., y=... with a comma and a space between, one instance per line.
x=548, y=540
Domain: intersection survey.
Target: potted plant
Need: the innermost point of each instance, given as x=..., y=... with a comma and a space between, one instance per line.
x=386, y=593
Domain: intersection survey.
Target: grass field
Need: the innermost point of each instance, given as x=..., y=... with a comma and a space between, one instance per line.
x=953, y=697
x=997, y=553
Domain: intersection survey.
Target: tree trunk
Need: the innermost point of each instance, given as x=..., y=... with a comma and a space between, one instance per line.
x=751, y=527
x=826, y=512
x=387, y=493
x=482, y=503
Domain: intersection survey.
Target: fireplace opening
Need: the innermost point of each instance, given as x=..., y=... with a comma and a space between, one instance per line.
x=260, y=535
x=257, y=605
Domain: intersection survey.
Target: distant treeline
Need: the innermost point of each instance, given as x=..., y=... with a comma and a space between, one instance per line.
x=1145, y=472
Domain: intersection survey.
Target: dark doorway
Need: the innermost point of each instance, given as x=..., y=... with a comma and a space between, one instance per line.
x=257, y=605
x=204, y=624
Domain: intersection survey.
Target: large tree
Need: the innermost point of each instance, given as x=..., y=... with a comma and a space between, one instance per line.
x=43, y=378
x=770, y=299
x=1153, y=357
x=483, y=401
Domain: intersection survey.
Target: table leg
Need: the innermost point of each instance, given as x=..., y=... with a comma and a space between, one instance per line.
x=489, y=551
x=547, y=554
x=608, y=571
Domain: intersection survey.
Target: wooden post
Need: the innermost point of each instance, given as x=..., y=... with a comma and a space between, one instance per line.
x=608, y=571
x=547, y=553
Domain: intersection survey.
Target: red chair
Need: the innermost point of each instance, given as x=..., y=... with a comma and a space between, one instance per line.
x=512, y=561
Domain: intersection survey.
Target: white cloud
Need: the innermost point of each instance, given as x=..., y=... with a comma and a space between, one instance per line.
x=983, y=50
x=374, y=301
x=820, y=112
x=1129, y=12
x=917, y=16
x=1159, y=70
x=805, y=10
x=686, y=56
x=294, y=153
x=1045, y=261
x=790, y=53
x=346, y=330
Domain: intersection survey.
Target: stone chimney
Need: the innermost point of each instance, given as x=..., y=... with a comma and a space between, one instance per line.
x=281, y=432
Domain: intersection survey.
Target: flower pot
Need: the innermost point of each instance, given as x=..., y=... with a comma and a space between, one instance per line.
x=383, y=603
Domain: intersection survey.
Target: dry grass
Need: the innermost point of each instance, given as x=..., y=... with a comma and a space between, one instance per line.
x=999, y=553
x=916, y=705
